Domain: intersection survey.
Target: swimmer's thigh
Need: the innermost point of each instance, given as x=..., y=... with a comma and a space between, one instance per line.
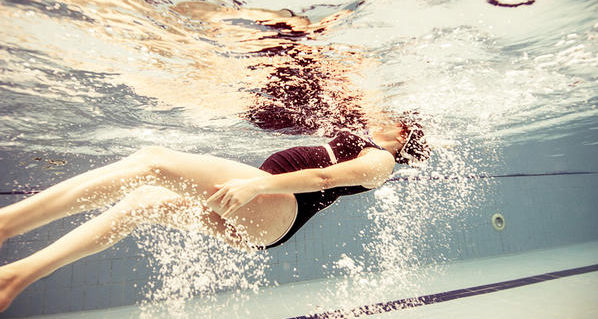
x=263, y=220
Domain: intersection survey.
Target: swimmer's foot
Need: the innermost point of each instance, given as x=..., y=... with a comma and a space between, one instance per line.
x=11, y=284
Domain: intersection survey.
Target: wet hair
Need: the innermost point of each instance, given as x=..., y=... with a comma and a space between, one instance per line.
x=416, y=149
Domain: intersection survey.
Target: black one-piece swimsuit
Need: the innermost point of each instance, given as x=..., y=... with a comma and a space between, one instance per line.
x=345, y=146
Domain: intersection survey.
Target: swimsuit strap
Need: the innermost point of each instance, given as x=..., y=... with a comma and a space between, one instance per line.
x=366, y=136
x=331, y=155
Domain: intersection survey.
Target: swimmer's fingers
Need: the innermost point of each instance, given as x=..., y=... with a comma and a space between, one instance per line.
x=226, y=199
x=223, y=190
x=234, y=199
x=233, y=195
x=217, y=194
x=226, y=203
x=231, y=210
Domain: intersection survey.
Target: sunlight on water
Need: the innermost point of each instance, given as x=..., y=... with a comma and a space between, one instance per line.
x=468, y=66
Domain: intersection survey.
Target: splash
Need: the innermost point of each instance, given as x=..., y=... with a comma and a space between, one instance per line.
x=189, y=265
x=415, y=220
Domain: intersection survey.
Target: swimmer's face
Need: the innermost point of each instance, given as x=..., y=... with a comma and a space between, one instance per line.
x=395, y=131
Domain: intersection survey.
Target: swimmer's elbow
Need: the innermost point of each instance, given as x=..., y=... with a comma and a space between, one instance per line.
x=331, y=178
x=377, y=182
x=324, y=180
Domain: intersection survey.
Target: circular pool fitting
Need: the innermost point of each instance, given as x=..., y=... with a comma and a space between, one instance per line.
x=498, y=221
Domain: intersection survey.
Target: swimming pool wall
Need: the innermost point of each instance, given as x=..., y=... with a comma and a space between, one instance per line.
x=547, y=191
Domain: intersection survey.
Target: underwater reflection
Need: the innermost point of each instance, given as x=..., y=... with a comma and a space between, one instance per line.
x=210, y=61
x=297, y=88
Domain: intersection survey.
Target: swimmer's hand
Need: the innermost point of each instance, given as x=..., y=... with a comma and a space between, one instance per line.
x=233, y=194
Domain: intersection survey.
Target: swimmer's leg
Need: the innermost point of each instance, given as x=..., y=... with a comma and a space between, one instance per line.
x=86, y=191
x=145, y=204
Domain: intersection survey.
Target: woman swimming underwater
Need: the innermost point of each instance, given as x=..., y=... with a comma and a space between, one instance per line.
x=243, y=205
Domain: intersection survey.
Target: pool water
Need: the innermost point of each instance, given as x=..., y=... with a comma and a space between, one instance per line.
x=508, y=96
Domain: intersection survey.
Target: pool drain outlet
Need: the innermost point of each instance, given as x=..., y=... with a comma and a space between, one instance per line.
x=498, y=221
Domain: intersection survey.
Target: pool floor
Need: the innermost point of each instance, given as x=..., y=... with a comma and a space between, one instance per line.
x=569, y=297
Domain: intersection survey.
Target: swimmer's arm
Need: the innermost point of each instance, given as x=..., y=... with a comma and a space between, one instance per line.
x=370, y=170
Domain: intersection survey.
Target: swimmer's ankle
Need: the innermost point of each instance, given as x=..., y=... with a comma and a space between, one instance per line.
x=3, y=233
x=6, y=231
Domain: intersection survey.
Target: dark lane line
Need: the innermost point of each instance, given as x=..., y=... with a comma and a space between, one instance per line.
x=395, y=305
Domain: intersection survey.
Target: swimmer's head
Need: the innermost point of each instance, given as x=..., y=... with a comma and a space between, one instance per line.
x=408, y=131
x=415, y=148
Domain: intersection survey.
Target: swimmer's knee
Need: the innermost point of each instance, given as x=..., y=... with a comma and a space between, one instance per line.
x=151, y=152
x=149, y=158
